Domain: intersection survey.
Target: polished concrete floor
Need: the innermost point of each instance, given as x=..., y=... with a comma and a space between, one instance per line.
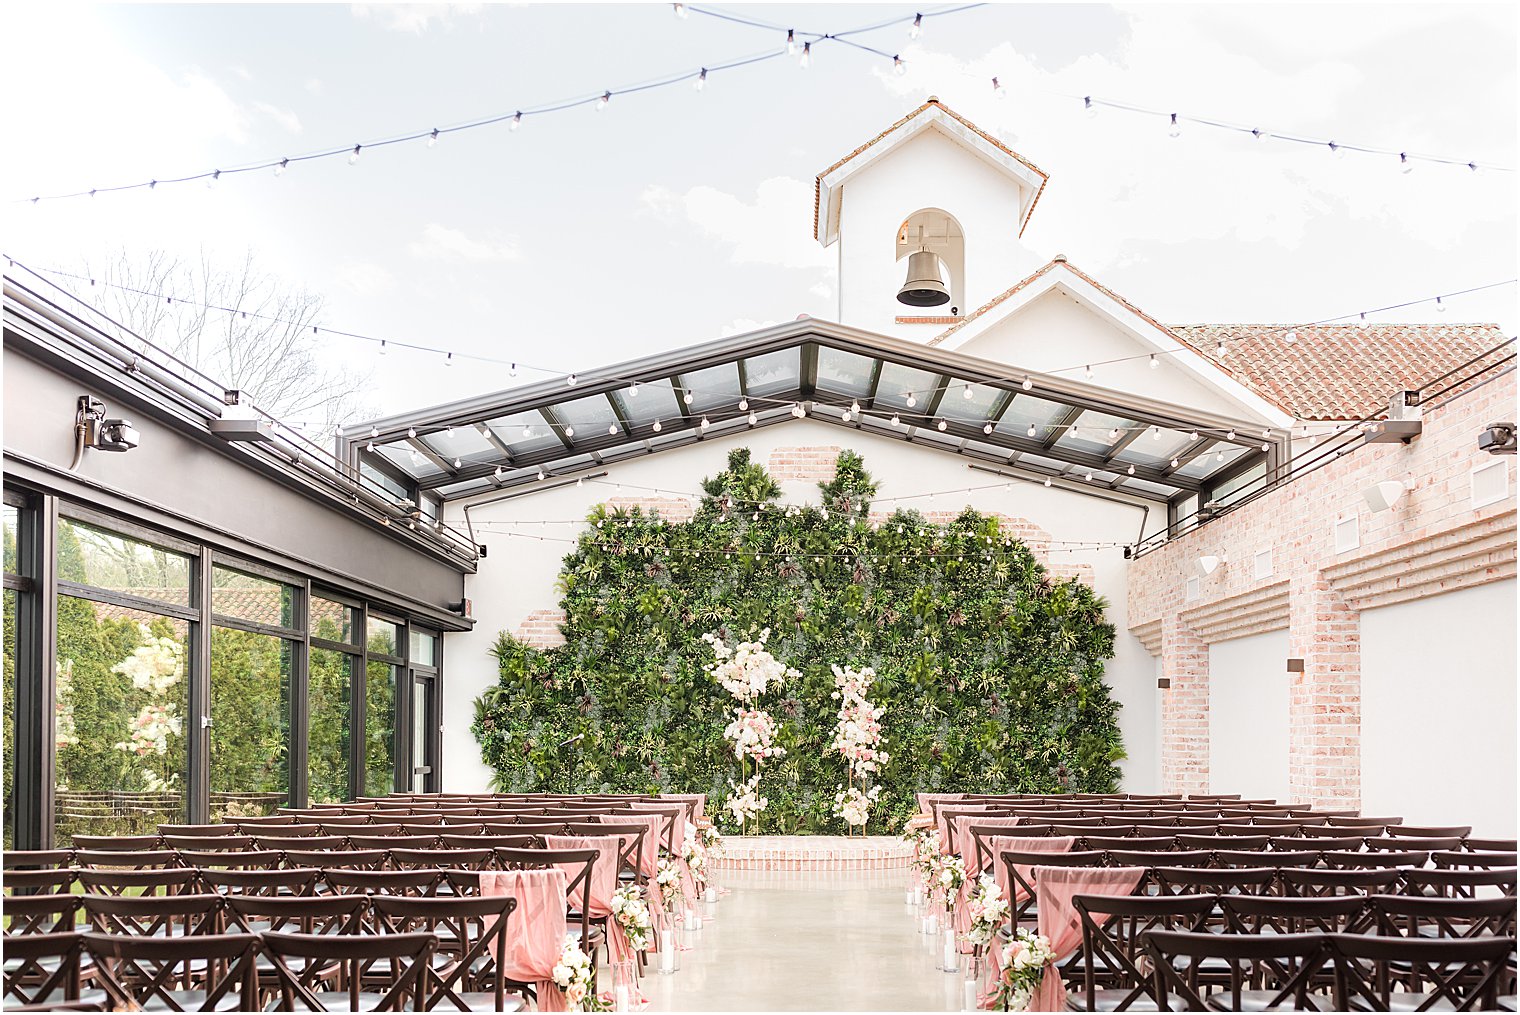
x=831, y=942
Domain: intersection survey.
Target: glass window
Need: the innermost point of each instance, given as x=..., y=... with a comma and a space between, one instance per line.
x=589, y=416
x=332, y=621
x=710, y=387
x=408, y=459
x=1094, y=432
x=1245, y=484
x=465, y=443
x=524, y=432
x=235, y=594
x=11, y=597
x=106, y=560
x=250, y=729
x=420, y=723
x=380, y=727
x=656, y=400
x=123, y=696
x=1026, y=409
x=773, y=373
x=846, y=373
x=424, y=648
x=12, y=534
x=330, y=693
x=384, y=481
x=384, y=638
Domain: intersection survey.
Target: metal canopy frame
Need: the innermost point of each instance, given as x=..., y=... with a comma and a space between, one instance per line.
x=932, y=422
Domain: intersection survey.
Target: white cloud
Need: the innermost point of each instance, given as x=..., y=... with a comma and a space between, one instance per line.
x=365, y=278
x=822, y=290
x=315, y=86
x=442, y=243
x=414, y=18
x=284, y=117
x=742, y=325
x=764, y=231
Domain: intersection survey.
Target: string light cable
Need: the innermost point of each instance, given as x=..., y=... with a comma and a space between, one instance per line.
x=431, y=136
x=894, y=417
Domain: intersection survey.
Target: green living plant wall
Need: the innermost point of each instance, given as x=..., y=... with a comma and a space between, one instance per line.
x=991, y=671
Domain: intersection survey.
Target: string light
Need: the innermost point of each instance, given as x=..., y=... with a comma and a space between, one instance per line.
x=998, y=90
x=569, y=431
x=941, y=426
x=658, y=426
x=680, y=10
x=910, y=401
x=1175, y=129
x=701, y=81
x=633, y=390
x=1155, y=363
x=516, y=121
x=791, y=42
x=743, y=403
x=353, y=158
x=807, y=56
x=898, y=67
x=432, y=141
x=918, y=27
x=601, y=103
x=279, y=170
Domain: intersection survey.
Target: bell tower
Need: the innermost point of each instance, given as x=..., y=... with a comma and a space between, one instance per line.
x=932, y=224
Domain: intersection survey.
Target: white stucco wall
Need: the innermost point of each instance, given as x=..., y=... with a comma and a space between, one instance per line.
x=518, y=575
x=1056, y=331
x=1248, y=716
x=1438, y=709
x=927, y=171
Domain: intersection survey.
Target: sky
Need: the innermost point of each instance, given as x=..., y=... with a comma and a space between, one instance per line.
x=674, y=216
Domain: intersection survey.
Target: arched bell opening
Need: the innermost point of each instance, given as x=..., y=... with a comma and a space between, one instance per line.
x=933, y=246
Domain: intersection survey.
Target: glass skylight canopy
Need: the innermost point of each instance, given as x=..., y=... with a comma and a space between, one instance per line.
x=1017, y=422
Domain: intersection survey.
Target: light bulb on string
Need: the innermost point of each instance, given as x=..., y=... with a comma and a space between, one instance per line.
x=679, y=10
x=1406, y=164
x=1362, y=321
x=458, y=463
x=854, y=406
x=1259, y=135
x=753, y=419
x=1027, y=384
x=1031, y=431
x=917, y=28
x=512, y=370
x=998, y=90
x=987, y=428
x=448, y=360
x=941, y=426
x=1047, y=481
x=967, y=393
x=658, y=426
x=612, y=429
x=911, y=400
x=807, y=56
x=516, y=121
x=1290, y=337
x=701, y=81
x=1219, y=347
x=411, y=432
x=382, y=347
x=1087, y=371
x=743, y=404
x=1155, y=363
x=353, y=156
x=791, y=42
x=898, y=67
x=686, y=397
x=216, y=174
x=1090, y=107
x=1174, y=463
x=527, y=433
x=1130, y=471
x=1175, y=130
x=704, y=424
x=845, y=415
x=569, y=431
x=432, y=141
x=1337, y=150
x=896, y=420
x=279, y=169
x=570, y=380
x=1440, y=307
x=601, y=103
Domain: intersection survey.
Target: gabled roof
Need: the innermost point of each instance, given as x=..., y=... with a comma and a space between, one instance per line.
x=933, y=114
x=1332, y=372
x=1037, y=425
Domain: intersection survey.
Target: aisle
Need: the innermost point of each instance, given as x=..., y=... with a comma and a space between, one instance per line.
x=842, y=942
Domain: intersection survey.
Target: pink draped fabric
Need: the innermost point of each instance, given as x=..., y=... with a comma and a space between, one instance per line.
x=1015, y=895
x=1060, y=922
x=604, y=882
x=942, y=822
x=537, y=937
x=926, y=799
x=961, y=844
x=699, y=798
x=671, y=829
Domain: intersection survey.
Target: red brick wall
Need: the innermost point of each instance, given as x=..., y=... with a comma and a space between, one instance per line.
x=541, y=629
x=1431, y=541
x=672, y=509
x=813, y=465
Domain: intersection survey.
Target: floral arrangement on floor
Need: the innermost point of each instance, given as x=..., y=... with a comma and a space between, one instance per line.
x=988, y=911
x=1023, y=967
x=854, y=806
x=573, y=974
x=712, y=841
x=744, y=800
x=925, y=851
x=694, y=852
x=950, y=872
x=632, y=914
x=668, y=878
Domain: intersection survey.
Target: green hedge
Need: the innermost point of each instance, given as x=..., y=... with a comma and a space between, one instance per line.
x=991, y=671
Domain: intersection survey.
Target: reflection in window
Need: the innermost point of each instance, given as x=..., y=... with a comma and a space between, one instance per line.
x=424, y=648
x=380, y=728
x=250, y=731
x=10, y=697
x=235, y=594
x=330, y=693
x=105, y=560
x=122, y=700
x=331, y=621
x=384, y=638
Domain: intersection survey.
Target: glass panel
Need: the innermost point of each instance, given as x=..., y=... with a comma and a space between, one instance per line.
x=9, y=731
x=847, y=373
x=330, y=692
x=424, y=648
x=655, y=400
x=1246, y=483
x=332, y=621
x=235, y=594
x=384, y=637
x=711, y=387
x=1027, y=409
x=524, y=432
x=408, y=459
x=379, y=728
x=1155, y=447
x=12, y=534
x=93, y=556
x=420, y=718
x=1147, y=486
x=250, y=728
x=428, y=504
x=1211, y=460
x=589, y=416
x=773, y=373
x=1093, y=432
x=898, y=381
x=123, y=695
x=465, y=443
x=384, y=481
x=974, y=409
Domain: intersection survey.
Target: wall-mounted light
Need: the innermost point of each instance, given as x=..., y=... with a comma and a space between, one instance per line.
x=1497, y=439
x=93, y=430
x=1384, y=495
x=239, y=422
x=1207, y=565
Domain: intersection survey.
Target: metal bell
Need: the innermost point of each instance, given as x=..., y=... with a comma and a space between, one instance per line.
x=924, y=287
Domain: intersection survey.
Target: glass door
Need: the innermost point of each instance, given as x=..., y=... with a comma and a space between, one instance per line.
x=424, y=727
